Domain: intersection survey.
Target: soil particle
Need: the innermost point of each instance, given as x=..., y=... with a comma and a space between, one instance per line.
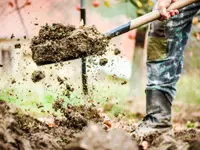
x=56, y=43
x=60, y=80
x=68, y=87
x=103, y=61
x=117, y=51
x=37, y=76
x=13, y=81
x=18, y=45
x=12, y=36
x=124, y=82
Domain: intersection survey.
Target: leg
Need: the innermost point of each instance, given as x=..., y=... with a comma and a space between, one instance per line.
x=166, y=44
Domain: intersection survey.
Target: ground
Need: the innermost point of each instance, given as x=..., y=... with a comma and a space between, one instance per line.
x=89, y=127
x=35, y=118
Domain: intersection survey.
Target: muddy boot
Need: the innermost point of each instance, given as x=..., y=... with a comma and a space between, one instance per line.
x=158, y=118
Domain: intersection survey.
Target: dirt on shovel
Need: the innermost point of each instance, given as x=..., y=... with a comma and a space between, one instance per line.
x=57, y=42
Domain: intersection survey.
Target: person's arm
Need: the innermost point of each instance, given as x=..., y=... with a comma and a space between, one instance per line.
x=162, y=5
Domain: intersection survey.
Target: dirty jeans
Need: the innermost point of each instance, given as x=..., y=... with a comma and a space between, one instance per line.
x=165, y=49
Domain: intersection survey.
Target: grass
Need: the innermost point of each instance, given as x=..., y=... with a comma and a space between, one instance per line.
x=28, y=100
x=188, y=88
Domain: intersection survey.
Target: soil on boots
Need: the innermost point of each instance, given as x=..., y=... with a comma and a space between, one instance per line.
x=56, y=43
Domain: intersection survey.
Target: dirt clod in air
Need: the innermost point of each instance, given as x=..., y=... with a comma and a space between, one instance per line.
x=18, y=45
x=57, y=42
x=12, y=36
x=60, y=80
x=103, y=61
x=13, y=81
x=117, y=51
x=124, y=82
x=37, y=76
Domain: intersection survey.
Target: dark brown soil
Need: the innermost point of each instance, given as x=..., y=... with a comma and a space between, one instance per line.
x=58, y=43
x=22, y=132
x=18, y=45
x=78, y=128
x=117, y=51
x=37, y=76
x=103, y=61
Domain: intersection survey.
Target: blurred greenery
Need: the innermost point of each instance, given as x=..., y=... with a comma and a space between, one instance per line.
x=101, y=92
x=115, y=9
x=188, y=88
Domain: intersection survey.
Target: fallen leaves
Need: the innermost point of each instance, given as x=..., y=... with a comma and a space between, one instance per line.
x=107, y=123
x=10, y=3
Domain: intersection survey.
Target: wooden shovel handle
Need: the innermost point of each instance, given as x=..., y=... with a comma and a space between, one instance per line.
x=154, y=15
x=149, y=17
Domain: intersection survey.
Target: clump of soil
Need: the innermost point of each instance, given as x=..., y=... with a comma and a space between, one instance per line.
x=103, y=61
x=117, y=51
x=18, y=45
x=37, y=76
x=56, y=43
x=124, y=82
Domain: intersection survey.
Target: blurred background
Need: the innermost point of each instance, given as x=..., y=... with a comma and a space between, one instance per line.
x=119, y=85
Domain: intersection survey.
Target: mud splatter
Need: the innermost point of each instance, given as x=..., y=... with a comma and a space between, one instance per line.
x=18, y=45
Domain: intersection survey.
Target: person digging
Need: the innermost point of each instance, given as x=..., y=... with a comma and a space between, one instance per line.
x=167, y=38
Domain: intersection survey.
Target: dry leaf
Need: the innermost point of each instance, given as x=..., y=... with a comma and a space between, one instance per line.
x=108, y=123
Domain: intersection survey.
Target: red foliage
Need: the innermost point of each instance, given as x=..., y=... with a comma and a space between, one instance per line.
x=10, y=3
x=95, y=3
x=132, y=35
x=28, y=2
x=78, y=7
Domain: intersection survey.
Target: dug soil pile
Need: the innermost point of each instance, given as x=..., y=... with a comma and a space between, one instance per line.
x=56, y=43
x=22, y=132
x=79, y=128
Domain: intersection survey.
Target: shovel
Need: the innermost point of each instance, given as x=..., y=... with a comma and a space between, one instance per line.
x=133, y=24
x=147, y=18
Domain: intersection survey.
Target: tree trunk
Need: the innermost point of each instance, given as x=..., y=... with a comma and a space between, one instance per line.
x=138, y=76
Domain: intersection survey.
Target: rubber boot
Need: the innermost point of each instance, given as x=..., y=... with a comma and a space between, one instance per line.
x=158, y=118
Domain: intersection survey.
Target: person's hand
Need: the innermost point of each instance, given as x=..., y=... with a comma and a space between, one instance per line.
x=162, y=6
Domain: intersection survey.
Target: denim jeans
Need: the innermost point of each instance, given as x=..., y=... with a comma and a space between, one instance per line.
x=165, y=49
